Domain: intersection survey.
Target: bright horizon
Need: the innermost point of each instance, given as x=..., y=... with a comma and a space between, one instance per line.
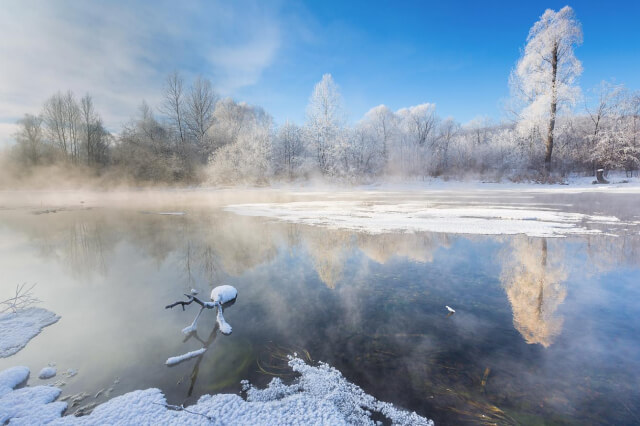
x=457, y=56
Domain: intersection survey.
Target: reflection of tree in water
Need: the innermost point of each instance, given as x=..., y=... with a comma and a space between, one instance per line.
x=328, y=251
x=533, y=282
x=84, y=249
x=79, y=239
x=241, y=243
x=206, y=245
x=606, y=252
x=417, y=247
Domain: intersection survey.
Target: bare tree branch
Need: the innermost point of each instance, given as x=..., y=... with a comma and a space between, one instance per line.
x=190, y=300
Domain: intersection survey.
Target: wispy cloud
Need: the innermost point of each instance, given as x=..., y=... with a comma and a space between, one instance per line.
x=120, y=52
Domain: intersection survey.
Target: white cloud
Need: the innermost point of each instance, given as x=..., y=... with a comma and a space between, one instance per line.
x=241, y=65
x=121, y=52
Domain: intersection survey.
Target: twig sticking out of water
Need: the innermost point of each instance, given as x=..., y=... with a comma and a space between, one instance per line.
x=22, y=299
x=181, y=408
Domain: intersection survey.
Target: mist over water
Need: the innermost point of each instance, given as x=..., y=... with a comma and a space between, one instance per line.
x=541, y=329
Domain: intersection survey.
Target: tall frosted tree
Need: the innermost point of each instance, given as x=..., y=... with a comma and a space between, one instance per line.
x=544, y=78
x=325, y=119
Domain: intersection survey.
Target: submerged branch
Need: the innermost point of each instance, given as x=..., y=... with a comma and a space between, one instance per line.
x=181, y=408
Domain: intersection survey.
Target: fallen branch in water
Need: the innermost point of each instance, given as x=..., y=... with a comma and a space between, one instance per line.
x=221, y=295
x=191, y=299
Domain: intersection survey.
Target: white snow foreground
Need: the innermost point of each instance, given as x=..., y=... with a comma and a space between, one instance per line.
x=422, y=216
x=321, y=395
x=17, y=328
x=28, y=405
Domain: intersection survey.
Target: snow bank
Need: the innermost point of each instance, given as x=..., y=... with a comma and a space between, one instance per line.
x=47, y=373
x=17, y=328
x=178, y=359
x=422, y=216
x=321, y=395
x=28, y=405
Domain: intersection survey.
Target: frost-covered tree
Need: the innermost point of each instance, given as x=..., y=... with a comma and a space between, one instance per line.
x=230, y=117
x=417, y=124
x=544, y=78
x=616, y=141
x=447, y=132
x=61, y=116
x=247, y=156
x=30, y=140
x=94, y=136
x=289, y=150
x=145, y=150
x=174, y=108
x=381, y=124
x=325, y=121
x=358, y=153
x=199, y=108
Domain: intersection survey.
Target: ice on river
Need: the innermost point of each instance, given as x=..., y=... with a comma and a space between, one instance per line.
x=423, y=216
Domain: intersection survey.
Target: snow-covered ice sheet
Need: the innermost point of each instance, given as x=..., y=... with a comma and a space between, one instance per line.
x=321, y=395
x=424, y=216
x=17, y=328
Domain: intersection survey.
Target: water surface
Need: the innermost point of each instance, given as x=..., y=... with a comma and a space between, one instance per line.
x=545, y=329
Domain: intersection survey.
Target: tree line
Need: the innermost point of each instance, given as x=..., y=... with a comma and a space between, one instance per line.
x=195, y=136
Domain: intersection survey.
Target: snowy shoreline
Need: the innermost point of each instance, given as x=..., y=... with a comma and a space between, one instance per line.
x=320, y=395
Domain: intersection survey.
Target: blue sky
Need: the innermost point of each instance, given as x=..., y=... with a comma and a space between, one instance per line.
x=457, y=55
